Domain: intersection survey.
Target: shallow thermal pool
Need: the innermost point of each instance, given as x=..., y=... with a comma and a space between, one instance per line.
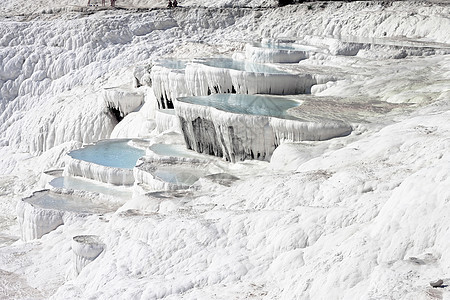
x=247, y=104
x=174, y=151
x=228, y=63
x=82, y=184
x=50, y=200
x=178, y=175
x=110, y=153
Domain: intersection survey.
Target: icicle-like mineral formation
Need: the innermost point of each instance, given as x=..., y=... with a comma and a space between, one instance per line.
x=239, y=127
x=45, y=210
x=221, y=76
x=35, y=221
x=168, y=84
x=167, y=120
x=122, y=99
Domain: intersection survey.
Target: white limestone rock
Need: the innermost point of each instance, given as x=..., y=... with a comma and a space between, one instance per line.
x=35, y=221
x=167, y=120
x=202, y=80
x=86, y=248
x=117, y=176
x=239, y=136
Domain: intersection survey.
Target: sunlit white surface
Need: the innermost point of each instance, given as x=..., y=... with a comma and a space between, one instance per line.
x=81, y=184
x=359, y=217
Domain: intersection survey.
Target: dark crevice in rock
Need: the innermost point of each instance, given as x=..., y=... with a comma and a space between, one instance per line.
x=115, y=112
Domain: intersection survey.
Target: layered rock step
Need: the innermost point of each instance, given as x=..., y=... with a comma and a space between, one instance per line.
x=108, y=161
x=239, y=127
x=44, y=211
x=176, y=169
x=86, y=248
x=276, y=52
x=203, y=77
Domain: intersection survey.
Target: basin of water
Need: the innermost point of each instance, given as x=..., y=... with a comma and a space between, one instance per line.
x=110, y=153
x=247, y=104
x=228, y=63
x=82, y=184
x=63, y=202
x=171, y=64
x=179, y=175
x=174, y=151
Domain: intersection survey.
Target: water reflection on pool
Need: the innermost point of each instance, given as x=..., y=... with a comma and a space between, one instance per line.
x=110, y=153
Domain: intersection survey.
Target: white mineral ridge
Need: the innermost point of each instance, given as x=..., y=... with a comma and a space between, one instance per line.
x=167, y=120
x=89, y=170
x=85, y=249
x=168, y=85
x=123, y=99
x=138, y=124
x=146, y=172
x=202, y=80
x=35, y=221
x=268, y=55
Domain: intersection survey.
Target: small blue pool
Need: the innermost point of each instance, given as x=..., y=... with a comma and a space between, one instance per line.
x=228, y=63
x=110, y=153
x=49, y=200
x=247, y=104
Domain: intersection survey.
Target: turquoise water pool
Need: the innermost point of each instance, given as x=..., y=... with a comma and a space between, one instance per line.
x=110, y=153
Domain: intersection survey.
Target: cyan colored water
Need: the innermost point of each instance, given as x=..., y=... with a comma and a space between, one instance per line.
x=228, y=63
x=81, y=184
x=110, y=153
x=49, y=200
x=246, y=104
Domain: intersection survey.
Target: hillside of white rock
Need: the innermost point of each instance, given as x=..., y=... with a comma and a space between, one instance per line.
x=363, y=216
